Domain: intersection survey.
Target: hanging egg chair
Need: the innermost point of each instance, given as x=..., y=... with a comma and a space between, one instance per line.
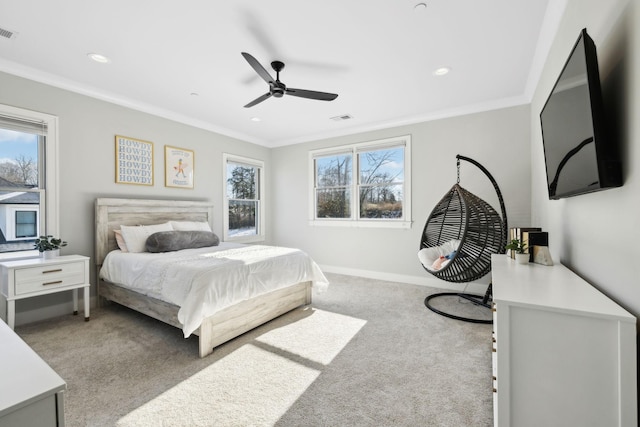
x=459, y=237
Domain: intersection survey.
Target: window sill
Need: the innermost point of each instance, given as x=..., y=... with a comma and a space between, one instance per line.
x=14, y=256
x=360, y=224
x=247, y=239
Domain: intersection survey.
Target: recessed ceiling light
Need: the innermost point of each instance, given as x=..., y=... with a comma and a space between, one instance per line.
x=99, y=58
x=255, y=119
x=194, y=94
x=441, y=71
x=420, y=6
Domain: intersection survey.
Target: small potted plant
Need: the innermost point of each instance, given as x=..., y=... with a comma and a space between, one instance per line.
x=519, y=247
x=49, y=246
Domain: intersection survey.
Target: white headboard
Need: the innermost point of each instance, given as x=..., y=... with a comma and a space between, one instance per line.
x=112, y=213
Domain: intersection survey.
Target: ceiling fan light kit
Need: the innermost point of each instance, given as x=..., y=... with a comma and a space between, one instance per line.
x=277, y=89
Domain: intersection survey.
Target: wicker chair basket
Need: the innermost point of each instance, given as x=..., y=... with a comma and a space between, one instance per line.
x=461, y=215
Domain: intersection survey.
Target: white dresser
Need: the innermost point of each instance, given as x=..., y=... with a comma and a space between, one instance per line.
x=31, y=393
x=563, y=354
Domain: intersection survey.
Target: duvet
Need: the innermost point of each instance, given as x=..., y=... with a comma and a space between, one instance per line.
x=205, y=280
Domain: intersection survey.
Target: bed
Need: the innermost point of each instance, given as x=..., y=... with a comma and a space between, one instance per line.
x=215, y=324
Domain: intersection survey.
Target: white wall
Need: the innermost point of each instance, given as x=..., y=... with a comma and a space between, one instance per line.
x=498, y=140
x=597, y=234
x=87, y=128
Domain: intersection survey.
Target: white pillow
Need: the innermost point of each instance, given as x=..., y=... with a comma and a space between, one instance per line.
x=427, y=256
x=190, y=225
x=136, y=236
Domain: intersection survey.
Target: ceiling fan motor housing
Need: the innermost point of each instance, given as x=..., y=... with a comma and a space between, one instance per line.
x=278, y=89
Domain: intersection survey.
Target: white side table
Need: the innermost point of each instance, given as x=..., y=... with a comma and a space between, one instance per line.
x=38, y=276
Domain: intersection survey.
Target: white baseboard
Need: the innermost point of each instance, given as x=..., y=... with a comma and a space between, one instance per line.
x=478, y=287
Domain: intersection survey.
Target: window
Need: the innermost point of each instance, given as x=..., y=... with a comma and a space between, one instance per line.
x=365, y=184
x=244, y=207
x=28, y=180
x=333, y=185
x=26, y=224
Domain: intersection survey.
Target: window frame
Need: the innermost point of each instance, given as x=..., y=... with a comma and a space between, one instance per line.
x=13, y=225
x=260, y=236
x=354, y=149
x=49, y=221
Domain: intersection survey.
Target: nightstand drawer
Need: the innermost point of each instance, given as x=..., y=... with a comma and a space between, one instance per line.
x=48, y=277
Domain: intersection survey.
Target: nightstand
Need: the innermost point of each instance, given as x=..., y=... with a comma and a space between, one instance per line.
x=38, y=276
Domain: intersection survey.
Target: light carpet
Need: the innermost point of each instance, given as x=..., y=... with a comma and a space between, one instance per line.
x=366, y=353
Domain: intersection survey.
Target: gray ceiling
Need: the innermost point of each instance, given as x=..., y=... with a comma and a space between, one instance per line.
x=182, y=60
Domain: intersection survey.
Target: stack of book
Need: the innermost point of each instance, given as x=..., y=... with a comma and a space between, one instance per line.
x=531, y=236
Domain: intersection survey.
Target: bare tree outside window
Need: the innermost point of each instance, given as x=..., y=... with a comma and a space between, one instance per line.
x=21, y=170
x=242, y=191
x=18, y=159
x=333, y=178
x=379, y=176
x=381, y=182
x=20, y=195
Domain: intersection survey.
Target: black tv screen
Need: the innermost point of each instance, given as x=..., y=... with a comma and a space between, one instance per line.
x=580, y=154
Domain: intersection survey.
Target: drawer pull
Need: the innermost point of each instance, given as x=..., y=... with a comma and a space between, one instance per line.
x=52, y=283
x=57, y=270
x=495, y=391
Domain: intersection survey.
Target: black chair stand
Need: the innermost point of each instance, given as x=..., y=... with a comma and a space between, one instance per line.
x=481, y=231
x=484, y=301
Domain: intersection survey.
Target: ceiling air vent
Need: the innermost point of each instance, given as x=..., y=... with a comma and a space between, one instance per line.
x=7, y=34
x=342, y=117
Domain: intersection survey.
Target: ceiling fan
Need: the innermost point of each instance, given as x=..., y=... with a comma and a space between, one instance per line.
x=277, y=88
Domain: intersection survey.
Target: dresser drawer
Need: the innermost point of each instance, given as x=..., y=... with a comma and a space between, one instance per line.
x=51, y=276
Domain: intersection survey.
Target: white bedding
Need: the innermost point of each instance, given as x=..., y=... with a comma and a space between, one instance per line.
x=205, y=280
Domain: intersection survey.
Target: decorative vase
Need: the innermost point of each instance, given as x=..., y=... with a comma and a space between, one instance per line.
x=522, y=258
x=51, y=254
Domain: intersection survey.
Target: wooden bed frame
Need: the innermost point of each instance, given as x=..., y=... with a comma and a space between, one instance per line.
x=215, y=330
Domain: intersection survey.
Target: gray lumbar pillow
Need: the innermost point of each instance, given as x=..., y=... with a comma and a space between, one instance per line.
x=167, y=241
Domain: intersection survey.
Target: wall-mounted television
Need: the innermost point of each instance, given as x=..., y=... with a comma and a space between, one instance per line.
x=580, y=153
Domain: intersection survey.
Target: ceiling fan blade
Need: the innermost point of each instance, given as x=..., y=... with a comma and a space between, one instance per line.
x=258, y=100
x=311, y=94
x=259, y=68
